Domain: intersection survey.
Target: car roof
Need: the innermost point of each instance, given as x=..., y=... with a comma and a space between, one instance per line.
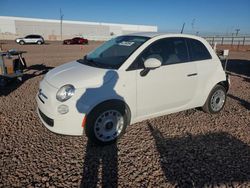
x=156, y=34
x=33, y=35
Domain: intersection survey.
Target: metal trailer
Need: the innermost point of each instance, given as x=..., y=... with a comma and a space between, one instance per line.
x=15, y=70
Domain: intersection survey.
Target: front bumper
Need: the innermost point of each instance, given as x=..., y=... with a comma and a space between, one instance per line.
x=67, y=124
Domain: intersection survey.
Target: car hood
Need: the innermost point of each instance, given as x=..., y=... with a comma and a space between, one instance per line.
x=78, y=75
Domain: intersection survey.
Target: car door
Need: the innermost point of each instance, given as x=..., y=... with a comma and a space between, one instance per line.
x=28, y=39
x=75, y=40
x=35, y=38
x=170, y=87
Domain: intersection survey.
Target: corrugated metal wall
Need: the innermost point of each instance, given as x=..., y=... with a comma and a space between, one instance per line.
x=69, y=30
x=13, y=27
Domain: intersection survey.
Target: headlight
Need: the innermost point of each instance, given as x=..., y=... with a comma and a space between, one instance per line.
x=65, y=93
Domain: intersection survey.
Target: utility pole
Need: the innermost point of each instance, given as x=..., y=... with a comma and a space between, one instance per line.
x=183, y=26
x=192, y=24
x=61, y=20
x=237, y=32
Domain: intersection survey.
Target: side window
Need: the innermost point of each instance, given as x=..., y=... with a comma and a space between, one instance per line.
x=176, y=51
x=197, y=50
x=28, y=36
x=171, y=51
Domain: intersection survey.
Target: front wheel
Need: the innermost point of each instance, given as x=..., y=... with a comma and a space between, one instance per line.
x=39, y=42
x=107, y=122
x=216, y=100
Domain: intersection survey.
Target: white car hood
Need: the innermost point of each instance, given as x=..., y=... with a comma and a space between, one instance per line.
x=78, y=75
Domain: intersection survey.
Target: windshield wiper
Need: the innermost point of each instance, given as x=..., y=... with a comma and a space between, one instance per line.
x=92, y=62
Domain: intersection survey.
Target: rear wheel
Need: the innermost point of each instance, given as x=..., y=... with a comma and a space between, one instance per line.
x=107, y=122
x=39, y=42
x=216, y=100
x=22, y=42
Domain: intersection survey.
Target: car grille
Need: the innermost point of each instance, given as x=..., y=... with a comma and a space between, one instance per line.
x=46, y=119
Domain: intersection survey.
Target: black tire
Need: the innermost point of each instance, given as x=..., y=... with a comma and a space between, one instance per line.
x=98, y=112
x=39, y=42
x=209, y=107
x=21, y=42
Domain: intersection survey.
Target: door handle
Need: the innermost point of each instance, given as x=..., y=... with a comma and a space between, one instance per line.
x=193, y=74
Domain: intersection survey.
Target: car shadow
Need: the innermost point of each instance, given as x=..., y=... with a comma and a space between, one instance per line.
x=239, y=67
x=99, y=160
x=206, y=160
x=243, y=102
x=29, y=73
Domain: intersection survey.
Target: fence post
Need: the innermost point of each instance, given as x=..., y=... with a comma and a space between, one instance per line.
x=232, y=42
x=213, y=41
x=222, y=40
x=238, y=46
x=244, y=38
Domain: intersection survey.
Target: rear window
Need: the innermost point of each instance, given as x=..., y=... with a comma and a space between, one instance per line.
x=197, y=50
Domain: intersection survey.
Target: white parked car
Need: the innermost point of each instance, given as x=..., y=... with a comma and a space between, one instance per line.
x=129, y=79
x=30, y=39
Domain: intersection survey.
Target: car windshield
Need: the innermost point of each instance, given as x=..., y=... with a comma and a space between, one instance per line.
x=113, y=53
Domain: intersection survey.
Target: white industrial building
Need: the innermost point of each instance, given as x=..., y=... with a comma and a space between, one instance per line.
x=12, y=27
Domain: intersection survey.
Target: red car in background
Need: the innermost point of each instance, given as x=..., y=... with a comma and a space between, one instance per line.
x=76, y=40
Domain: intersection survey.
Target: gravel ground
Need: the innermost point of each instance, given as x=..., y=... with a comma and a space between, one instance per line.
x=186, y=149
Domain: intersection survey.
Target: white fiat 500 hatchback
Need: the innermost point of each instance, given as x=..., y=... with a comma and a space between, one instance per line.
x=129, y=79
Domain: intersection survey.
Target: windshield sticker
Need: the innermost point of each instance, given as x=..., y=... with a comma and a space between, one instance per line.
x=126, y=43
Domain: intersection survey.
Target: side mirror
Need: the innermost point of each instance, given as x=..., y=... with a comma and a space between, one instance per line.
x=152, y=62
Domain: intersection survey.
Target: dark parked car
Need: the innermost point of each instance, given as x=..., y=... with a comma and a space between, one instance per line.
x=31, y=39
x=76, y=40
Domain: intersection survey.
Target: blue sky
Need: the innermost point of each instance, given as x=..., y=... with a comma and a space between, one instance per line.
x=218, y=16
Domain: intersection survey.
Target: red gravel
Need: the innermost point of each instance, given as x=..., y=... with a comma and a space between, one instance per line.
x=186, y=149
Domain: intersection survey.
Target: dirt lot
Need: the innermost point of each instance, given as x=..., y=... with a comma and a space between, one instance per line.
x=186, y=149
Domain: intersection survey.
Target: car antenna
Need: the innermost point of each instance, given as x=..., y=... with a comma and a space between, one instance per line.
x=183, y=26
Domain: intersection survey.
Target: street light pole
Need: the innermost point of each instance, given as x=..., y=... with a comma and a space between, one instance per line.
x=61, y=19
x=237, y=32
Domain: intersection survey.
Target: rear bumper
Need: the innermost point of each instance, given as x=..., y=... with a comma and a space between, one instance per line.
x=227, y=82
